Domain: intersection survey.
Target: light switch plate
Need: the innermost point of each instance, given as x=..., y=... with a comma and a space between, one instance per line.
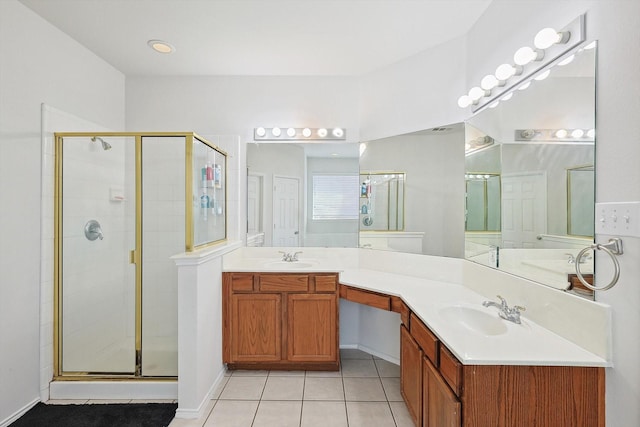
x=618, y=219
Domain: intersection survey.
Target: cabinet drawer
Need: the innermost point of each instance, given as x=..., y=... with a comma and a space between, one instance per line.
x=283, y=282
x=326, y=283
x=451, y=370
x=242, y=282
x=398, y=306
x=425, y=338
x=367, y=298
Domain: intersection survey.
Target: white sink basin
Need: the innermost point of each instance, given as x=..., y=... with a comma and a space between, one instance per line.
x=288, y=265
x=474, y=319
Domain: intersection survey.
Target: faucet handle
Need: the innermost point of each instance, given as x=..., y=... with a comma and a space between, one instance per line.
x=519, y=308
x=294, y=257
x=502, y=301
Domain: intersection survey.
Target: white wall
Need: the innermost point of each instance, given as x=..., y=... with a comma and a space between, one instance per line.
x=39, y=64
x=417, y=93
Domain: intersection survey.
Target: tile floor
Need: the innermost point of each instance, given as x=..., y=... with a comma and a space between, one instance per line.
x=365, y=392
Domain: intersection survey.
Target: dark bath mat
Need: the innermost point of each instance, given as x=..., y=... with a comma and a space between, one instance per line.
x=98, y=415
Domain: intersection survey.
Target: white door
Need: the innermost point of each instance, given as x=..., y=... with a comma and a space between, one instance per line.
x=254, y=204
x=286, y=205
x=524, y=209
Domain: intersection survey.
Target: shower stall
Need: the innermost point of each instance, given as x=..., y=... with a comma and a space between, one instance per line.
x=124, y=204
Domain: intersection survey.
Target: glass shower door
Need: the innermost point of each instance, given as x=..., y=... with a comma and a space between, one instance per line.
x=98, y=291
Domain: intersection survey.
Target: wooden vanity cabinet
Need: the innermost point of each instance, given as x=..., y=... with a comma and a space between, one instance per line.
x=280, y=321
x=440, y=405
x=411, y=374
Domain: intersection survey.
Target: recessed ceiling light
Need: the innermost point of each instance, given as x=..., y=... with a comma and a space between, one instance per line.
x=161, y=46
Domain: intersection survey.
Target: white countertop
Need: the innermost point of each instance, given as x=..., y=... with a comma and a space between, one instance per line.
x=525, y=344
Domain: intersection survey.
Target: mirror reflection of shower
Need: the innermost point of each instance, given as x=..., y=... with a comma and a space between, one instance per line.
x=105, y=145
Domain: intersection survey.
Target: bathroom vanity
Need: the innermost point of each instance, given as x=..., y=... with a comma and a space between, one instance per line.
x=460, y=364
x=280, y=321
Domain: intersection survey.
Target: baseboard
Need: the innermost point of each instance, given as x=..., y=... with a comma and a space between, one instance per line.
x=201, y=410
x=373, y=352
x=19, y=413
x=139, y=390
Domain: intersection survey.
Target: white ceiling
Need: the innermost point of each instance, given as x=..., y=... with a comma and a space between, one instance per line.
x=259, y=37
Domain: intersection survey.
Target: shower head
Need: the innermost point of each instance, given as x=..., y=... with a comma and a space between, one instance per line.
x=105, y=144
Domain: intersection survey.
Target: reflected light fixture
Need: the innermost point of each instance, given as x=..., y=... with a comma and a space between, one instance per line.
x=562, y=136
x=363, y=148
x=291, y=132
x=524, y=85
x=276, y=131
x=542, y=76
x=337, y=132
x=322, y=132
x=261, y=132
x=306, y=132
x=568, y=60
x=161, y=46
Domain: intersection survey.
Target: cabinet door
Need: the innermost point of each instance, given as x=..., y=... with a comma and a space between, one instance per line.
x=312, y=330
x=256, y=321
x=440, y=406
x=411, y=375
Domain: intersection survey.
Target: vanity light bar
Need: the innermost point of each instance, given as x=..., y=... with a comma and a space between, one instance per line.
x=299, y=134
x=555, y=135
x=549, y=44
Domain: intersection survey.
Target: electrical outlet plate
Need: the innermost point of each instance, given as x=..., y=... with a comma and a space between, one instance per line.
x=618, y=219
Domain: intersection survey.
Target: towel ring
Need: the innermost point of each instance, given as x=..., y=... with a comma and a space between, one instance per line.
x=613, y=248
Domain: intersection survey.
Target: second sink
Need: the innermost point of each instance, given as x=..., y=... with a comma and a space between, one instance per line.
x=474, y=319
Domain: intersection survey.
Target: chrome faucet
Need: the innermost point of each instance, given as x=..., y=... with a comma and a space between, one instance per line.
x=287, y=257
x=572, y=259
x=512, y=314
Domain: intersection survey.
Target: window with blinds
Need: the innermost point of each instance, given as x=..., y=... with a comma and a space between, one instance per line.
x=335, y=197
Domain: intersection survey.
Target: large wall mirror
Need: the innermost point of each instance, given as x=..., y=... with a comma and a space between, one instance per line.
x=312, y=194
x=540, y=145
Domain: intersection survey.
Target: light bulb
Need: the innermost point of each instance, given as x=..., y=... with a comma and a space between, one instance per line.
x=561, y=133
x=337, y=132
x=322, y=132
x=591, y=133
x=525, y=55
x=306, y=132
x=464, y=101
x=261, y=131
x=568, y=60
x=547, y=37
x=505, y=72
x=476, y=93
x=276, y=131
x=507, y=97
x=524, y=85
x=542, y=76
x=489, y=82
x=291, y=132
x=577, y=133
